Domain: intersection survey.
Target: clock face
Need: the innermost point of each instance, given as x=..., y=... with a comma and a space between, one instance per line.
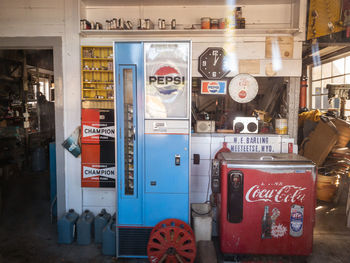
x=211, y=63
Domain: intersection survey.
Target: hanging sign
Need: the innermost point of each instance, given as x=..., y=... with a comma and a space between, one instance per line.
x=243, y=88
x=213, y=87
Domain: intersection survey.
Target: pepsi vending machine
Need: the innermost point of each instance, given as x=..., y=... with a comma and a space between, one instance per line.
x=153, y=139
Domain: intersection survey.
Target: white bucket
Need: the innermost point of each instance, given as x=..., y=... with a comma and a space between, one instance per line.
x=202, y=221
x=281, y=126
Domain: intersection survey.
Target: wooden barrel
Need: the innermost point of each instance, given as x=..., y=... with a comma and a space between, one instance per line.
x=344, y=132
x=326, y=187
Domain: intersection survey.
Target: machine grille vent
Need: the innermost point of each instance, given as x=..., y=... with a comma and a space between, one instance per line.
x=133, y=241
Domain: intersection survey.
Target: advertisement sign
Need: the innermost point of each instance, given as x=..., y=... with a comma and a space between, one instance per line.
x=98, y=165
x=166, y=79
x=213, y=87
x=255, y=144
x=97, y=125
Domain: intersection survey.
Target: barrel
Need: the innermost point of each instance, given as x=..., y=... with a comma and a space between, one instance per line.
x=101, y=220
x=326, y=187
x=85, y=228
x=66, y=227
x=109, y=238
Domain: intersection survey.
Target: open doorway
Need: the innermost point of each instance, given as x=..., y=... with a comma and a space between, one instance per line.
x=27, y=117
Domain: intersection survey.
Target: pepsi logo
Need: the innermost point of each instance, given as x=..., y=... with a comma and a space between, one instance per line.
x=213, y=87
x=167, y=80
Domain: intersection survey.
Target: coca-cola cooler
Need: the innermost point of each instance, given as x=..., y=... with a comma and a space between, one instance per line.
x=266, y=203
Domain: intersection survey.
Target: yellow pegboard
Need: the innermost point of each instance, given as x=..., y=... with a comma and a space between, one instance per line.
x=327, y=11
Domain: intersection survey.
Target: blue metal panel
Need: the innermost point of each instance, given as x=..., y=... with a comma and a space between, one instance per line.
x=129, y=208
x=162, y=206
x=162, y=175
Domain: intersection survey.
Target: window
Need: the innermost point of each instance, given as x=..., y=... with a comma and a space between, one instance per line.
x=333, y=72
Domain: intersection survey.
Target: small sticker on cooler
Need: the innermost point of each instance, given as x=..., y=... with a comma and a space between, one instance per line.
x=296, y=220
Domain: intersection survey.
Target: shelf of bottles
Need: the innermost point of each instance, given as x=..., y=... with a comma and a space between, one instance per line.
x=129, y=149
x=97, y=73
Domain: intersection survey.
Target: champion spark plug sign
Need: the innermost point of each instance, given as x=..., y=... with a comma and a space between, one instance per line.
x=98, y=165
x=98, y=131
x=213, y=87
x=97, y=125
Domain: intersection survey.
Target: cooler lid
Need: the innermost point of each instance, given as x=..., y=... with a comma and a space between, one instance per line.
x=264, y=157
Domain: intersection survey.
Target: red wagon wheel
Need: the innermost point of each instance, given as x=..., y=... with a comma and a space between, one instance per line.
x=172, y=222
x=171, y=244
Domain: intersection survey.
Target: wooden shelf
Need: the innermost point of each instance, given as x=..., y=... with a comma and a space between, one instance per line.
x=97, y=82
x=96, y=99
x=99, y=89
x=98, y=59
x=100, y=70
x=204, y=32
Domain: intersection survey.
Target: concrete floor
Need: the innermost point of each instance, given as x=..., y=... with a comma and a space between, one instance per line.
x=27, y=235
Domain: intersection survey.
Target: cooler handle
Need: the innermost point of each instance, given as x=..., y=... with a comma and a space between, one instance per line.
x=265, y=158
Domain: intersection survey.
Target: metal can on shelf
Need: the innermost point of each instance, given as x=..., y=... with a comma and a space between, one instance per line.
x=222, y=23
x=148, y=24
x=205, y=22
x=173, y=24
x=214, y=23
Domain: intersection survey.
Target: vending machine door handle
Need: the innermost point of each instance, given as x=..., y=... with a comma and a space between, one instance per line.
x=265, y=158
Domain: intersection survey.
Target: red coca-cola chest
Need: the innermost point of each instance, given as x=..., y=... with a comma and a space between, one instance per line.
x=266, y=203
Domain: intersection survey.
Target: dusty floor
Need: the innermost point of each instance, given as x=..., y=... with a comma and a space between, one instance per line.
x=27, y=235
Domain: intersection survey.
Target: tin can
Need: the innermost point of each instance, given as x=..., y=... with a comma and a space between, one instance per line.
x=114, y=24
x=222, y=23
x=99, y=26
x=120, y=23
x=205, y=22
x=147, y=24
x=130, y=25
x=281, y=126
x=214, y=23
x=108, y=25
x=173, y=24
x=142, y=24
x=82, y=27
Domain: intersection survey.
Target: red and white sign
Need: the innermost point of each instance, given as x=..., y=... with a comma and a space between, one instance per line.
x=243, y=88
x=277, y=193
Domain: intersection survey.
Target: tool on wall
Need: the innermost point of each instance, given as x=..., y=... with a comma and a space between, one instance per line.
x=341, y=91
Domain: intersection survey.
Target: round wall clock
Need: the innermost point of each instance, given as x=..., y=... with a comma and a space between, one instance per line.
x=211, y=63
x=243, y=88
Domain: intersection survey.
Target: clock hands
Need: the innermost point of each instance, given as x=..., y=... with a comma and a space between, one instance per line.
x=216, y=59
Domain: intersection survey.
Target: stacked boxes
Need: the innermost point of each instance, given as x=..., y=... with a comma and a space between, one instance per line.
x=98, y=155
